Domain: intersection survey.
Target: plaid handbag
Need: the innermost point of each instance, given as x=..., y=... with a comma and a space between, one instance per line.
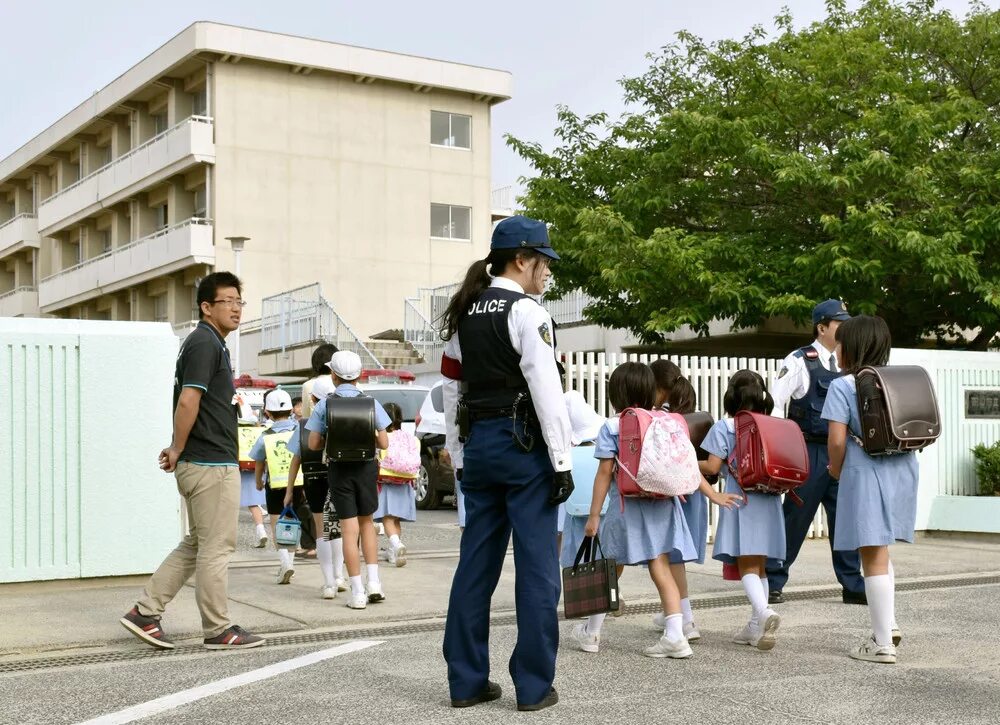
x=590, y=586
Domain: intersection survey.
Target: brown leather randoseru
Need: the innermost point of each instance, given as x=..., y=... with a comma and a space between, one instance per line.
x=698, y=426
x=350, y=429
x=898, y=409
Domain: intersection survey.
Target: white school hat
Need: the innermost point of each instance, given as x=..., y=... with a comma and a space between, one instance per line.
x=323, y=387
x=585, y=420
x=278, y=400
x=346, y=365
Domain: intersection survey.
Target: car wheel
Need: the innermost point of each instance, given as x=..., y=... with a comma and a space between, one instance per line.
x=427, y=496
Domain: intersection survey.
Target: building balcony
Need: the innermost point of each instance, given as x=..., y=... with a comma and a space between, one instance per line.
x=20, y=302
x=18, y=233
x=188, y=143
x=166, y=251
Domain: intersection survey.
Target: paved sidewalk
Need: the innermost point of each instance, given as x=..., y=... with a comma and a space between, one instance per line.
x=38, y=618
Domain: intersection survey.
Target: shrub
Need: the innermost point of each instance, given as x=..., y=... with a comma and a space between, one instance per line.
x=988, y=468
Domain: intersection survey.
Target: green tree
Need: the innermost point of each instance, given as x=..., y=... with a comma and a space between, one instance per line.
x=858, y=157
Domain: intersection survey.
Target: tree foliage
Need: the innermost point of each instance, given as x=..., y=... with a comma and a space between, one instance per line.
x=858, y=157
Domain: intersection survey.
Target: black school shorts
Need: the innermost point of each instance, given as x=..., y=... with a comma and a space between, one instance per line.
x=316, y=495
x=276, y=499
x=354, y=488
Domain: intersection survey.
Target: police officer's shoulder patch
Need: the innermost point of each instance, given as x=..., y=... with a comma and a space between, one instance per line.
x=545, y=333
x=783, y=373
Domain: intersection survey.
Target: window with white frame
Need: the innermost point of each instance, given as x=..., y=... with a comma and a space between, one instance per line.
x=159, y=123
x=200, y=102
x=451, y=222
x=160, y=216
x=201, y=202
x=160, y=309
x=105, y=240
x=451, y=129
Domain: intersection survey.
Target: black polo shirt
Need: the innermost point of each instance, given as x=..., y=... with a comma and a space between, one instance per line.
x=204, y=363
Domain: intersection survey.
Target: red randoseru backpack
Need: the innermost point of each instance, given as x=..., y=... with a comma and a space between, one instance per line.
x=770, y=455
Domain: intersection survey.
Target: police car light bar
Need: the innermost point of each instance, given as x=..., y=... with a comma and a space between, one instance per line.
x=381, y=375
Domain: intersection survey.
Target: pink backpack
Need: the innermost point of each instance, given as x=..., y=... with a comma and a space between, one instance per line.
x=655, y=456
x=400, y=463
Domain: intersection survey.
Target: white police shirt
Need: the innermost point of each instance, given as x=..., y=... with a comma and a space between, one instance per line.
x=792, y=381
x=538, y=364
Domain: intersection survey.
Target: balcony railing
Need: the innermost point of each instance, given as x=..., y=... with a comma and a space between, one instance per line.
x=569, y=308
x=19, y=302
x=191, y=139
x=21, y=231
x=502, y=199
x=175, y=247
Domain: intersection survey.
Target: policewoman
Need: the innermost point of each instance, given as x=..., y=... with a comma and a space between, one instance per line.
x=510, y=440
x=802, y=385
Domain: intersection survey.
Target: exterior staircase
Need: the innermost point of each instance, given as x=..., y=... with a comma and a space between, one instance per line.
x=394, y=354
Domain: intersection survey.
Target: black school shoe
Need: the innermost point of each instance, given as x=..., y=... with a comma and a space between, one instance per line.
x=492, y=692
x=775, y=597
x=850, y=597
x=551, y=699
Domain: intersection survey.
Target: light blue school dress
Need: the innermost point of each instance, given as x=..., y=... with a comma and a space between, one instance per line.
x=695, y=511
x=396, y=499
x=755, y=528
x=647, y=527
x=877, y=501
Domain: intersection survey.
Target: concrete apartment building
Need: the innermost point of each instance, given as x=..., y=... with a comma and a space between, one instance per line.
x=364, y=170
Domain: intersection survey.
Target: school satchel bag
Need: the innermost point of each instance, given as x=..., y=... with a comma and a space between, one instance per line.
x=655, y=456
x=350, y=429
x=770, y=455
x=590, y=586
x=400, y=463
x=313, y=466
x=699, y=424
x=898, y=409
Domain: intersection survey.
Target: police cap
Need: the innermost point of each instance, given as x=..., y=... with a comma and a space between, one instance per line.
x=520, y=232
x=830, y=310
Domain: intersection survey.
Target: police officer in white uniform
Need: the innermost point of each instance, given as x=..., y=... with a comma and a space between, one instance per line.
x=801, y=384
x=510, y=439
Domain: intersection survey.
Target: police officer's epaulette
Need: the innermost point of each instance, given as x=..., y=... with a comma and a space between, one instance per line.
x=808, y=352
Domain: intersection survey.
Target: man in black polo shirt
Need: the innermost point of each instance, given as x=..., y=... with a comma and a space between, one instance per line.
x=203, y=457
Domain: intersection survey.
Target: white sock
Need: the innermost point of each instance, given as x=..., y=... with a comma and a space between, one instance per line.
x=337, y=546
x=675, y=627
x=755, y=593
x=892, y=609
x=286, y=558
x=686, y=610
x=261, y=531
x=357, y=586
x=879, y=592
x=394, y=541
x=594, y=623
x=767, y=587
x=372, y=573
x=324, y=553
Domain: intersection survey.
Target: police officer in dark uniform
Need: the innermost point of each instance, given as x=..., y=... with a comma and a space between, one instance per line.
x=510, y=439
x=802, y=383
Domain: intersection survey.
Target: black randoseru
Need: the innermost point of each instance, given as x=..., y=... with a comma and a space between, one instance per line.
x=350, y=429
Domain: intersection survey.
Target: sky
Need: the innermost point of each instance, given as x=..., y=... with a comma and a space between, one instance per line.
x=559, y=51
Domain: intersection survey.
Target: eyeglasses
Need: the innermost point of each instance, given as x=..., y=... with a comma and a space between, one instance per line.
x=234, y=304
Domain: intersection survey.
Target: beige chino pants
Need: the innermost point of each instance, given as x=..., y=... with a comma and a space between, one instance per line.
x=212, y=497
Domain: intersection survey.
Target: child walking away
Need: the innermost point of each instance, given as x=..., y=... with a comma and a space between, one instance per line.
x=273, y=458
x=637, y=530
x=676, y=394
x=878, y=495
x=398, y=470
x=353, y=479
x=753, y=534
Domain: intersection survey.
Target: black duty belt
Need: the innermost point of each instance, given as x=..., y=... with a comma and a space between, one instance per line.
x=509, y=382
x=475, y=415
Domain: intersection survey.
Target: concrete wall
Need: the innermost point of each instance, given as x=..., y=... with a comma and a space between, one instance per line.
x=333, y=180
x=81, y=494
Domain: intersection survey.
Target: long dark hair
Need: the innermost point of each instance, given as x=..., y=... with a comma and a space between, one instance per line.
x=682, y=398
x=477, y=279
x=395, y=414
x=632, y=385
x=747, y=391
x=863, y=340
x=666, y=374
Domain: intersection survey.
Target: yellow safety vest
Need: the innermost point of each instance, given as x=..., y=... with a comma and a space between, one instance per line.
x=248, y=435
x=279, y=459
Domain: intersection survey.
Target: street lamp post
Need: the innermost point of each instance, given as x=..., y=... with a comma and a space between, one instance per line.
x=238, y=243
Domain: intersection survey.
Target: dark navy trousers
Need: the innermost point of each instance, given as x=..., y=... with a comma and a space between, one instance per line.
x=505, y=490
x=819, y=489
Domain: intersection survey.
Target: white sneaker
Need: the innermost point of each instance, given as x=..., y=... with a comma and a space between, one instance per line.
x=869, y=651
x=675, y=649
x=771, y=622
x=285, y=574
x=586, y=641
x=261, y=542
x=329, y=592
x=691, y=632
x=750, y=634
x=399, y=555
x=358, y=601
x=380, y=529
x=341, y=584
x=374, y=592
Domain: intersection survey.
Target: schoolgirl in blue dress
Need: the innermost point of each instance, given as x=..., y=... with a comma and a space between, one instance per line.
x=637, y=530
x=752, y=534
x=675, y=393
x=397, y=502
x=877, y=501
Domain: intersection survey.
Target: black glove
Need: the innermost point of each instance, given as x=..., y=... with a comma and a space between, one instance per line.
x=458, y=475
x=562, y=487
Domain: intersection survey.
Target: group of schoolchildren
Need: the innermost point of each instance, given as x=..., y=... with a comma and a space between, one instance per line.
x=877, y=502
x=346, y=498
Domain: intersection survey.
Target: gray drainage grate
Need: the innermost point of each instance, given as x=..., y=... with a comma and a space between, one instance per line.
x=405, y=628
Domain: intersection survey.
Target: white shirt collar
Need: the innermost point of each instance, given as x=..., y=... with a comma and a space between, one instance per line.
x=507, y=284
x=824, y=356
